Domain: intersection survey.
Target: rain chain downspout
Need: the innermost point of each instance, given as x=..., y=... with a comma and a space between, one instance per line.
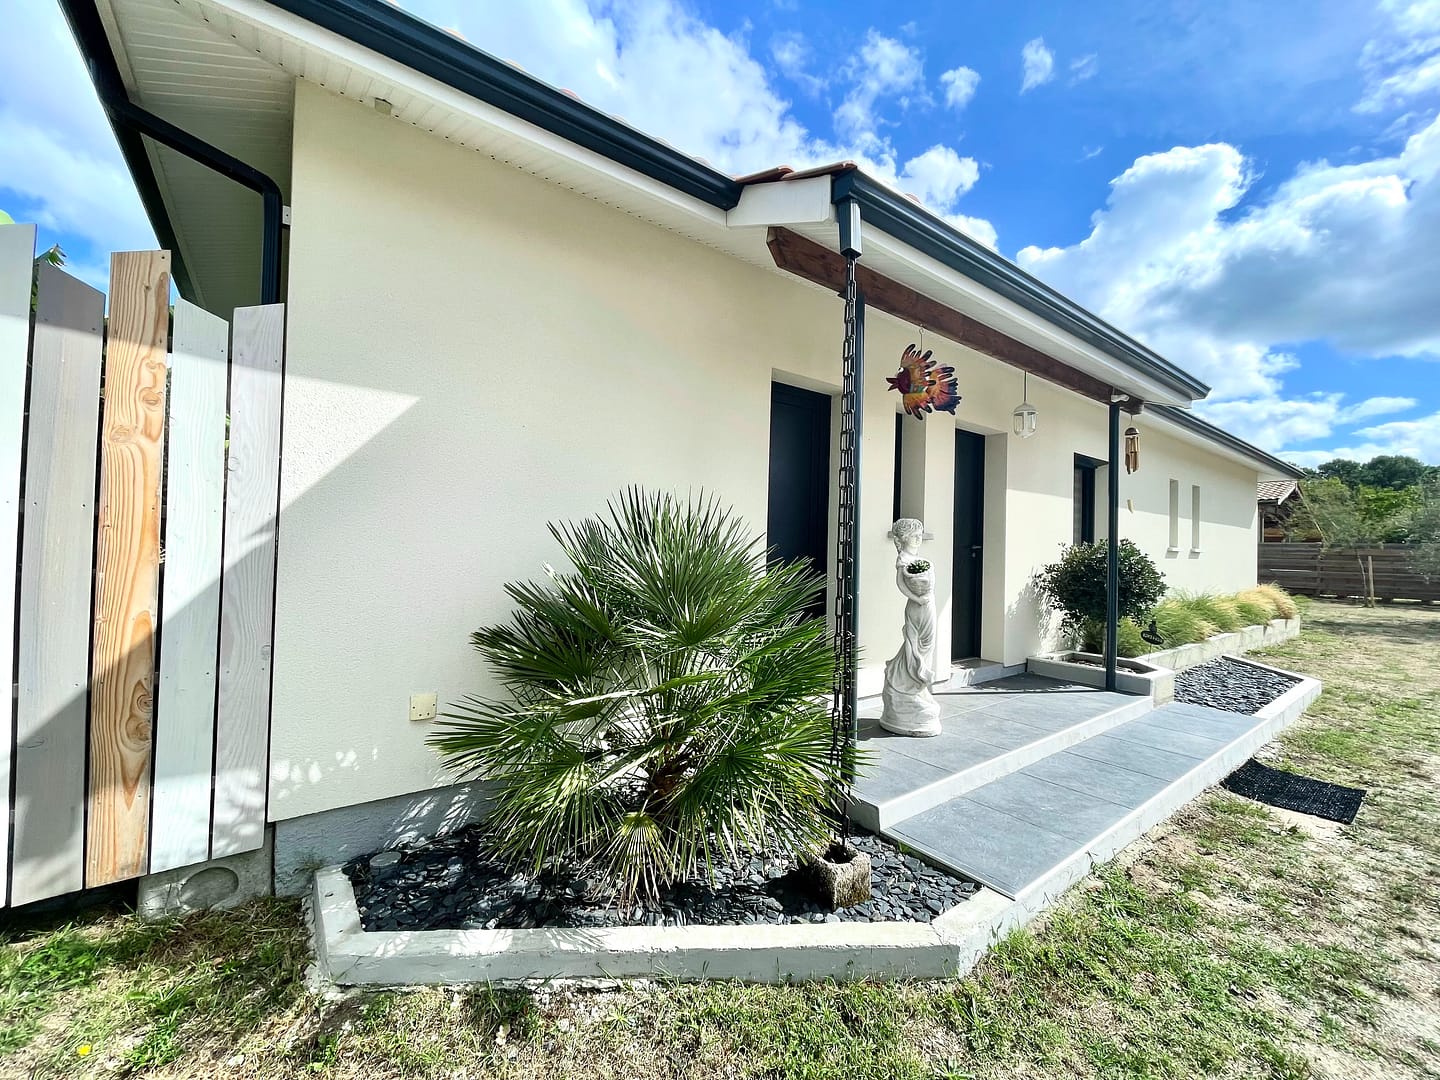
x=844, y=723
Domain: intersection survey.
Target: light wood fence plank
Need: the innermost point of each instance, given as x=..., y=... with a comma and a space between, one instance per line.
x=127, y=567
x=17, y=254
x=190, y=592
x=248, y=592
x=57, y=557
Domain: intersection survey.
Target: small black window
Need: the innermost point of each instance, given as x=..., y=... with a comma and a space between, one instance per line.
x=1085, y=467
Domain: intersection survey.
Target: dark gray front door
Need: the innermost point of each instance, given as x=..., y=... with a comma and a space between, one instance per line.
x=799, y=506
x=969, y=538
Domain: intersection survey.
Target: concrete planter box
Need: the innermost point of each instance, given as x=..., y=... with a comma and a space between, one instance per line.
x=1088, y=669
x=351, y=956
x=1251, y=637
x=1153, y=674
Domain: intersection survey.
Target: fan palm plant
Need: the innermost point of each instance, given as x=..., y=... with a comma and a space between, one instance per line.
x=667, y=702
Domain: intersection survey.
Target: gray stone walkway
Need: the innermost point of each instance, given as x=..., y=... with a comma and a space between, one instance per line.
x=1034, y=779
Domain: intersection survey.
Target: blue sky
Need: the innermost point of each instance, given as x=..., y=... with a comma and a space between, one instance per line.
x=1253, y=189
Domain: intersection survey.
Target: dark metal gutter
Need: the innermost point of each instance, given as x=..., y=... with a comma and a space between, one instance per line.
x=385, y=29
x=130, y=122
x=910, y=223
x=1192, y=423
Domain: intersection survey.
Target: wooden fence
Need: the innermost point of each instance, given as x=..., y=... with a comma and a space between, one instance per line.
x=1315, y=570
x=139, y=479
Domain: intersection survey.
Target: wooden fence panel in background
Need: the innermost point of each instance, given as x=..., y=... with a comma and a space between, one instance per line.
x=57, y=561
x=127, y=566
x=248, y=592
x=190, y=599
x=1315, y=570
x=17, y=254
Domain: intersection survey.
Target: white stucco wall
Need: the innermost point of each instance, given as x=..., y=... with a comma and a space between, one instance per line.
x=473, y=352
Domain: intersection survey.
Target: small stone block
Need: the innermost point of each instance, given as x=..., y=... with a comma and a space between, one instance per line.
x=841, y=884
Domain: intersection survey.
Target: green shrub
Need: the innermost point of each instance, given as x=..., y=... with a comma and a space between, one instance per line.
x=1075, y=586
x=668, y=702
x=1219, y=611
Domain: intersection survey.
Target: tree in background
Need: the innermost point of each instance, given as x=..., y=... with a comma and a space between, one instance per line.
x=1393, y=472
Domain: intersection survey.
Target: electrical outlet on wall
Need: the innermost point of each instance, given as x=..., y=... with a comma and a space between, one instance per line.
x=423, y=706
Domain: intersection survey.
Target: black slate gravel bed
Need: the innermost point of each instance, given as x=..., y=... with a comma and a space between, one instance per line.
x=451, y=884
x=1228, y=684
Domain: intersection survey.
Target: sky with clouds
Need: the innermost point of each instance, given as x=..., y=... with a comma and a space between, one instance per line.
x=1252, y=189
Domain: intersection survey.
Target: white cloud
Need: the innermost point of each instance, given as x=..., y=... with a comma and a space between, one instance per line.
x=674, y=76
x=1403, y=63
x=1083, y=68
x=1412, y=438
x=1037, y=64
x=59, y=155
x=1376, y=406
x=960, y=84
x=882, y=68
x=792, y=55
x=1337, y=253
x=939, y=176
x=1273, y=423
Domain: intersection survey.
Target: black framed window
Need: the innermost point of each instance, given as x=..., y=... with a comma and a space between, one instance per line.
x=1084, y=531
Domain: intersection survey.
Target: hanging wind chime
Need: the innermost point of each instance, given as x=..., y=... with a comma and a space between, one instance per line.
x=1132, y=449
x=925, y=385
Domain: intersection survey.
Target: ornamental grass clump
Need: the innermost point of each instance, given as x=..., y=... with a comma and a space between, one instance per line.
x=1219, y=611
x=1285, y=605
x=666, y=703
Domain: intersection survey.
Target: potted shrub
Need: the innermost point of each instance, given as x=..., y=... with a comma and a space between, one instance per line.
x=1075, y=586
x=666, y=703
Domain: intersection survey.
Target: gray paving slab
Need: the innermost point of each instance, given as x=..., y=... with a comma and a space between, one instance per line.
x=889, y=777
x=1079, y=815
x=948, y=752
x=1198, y=720
x=1123, y=786
x=1149, y=733
x=995, y=848
x=1137, y=757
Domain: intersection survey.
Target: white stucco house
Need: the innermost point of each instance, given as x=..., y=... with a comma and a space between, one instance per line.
x=503, y=306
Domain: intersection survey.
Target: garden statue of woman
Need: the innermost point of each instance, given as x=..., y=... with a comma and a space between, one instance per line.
x=910, y=707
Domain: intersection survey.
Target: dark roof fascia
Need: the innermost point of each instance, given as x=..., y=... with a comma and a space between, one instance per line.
x=912, y=224
x=94, y=46
x=1192, y=423
x=384, y=28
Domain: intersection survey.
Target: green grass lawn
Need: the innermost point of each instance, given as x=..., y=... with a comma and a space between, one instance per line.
x=1233, y=942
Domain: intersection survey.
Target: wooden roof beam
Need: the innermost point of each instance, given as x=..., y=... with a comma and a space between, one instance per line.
x=815, y=262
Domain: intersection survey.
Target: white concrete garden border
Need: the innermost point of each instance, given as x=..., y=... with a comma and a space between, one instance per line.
x=765, y=952
x=1260, y=636
x=1153, y=675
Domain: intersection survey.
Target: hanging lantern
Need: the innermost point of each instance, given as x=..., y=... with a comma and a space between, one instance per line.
x=1024, y=416
x=1132, y=449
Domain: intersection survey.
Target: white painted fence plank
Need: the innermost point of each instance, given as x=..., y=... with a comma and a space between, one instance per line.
x=17, y=255
x=190, y=593
x=57, y=556
x=248, y=591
